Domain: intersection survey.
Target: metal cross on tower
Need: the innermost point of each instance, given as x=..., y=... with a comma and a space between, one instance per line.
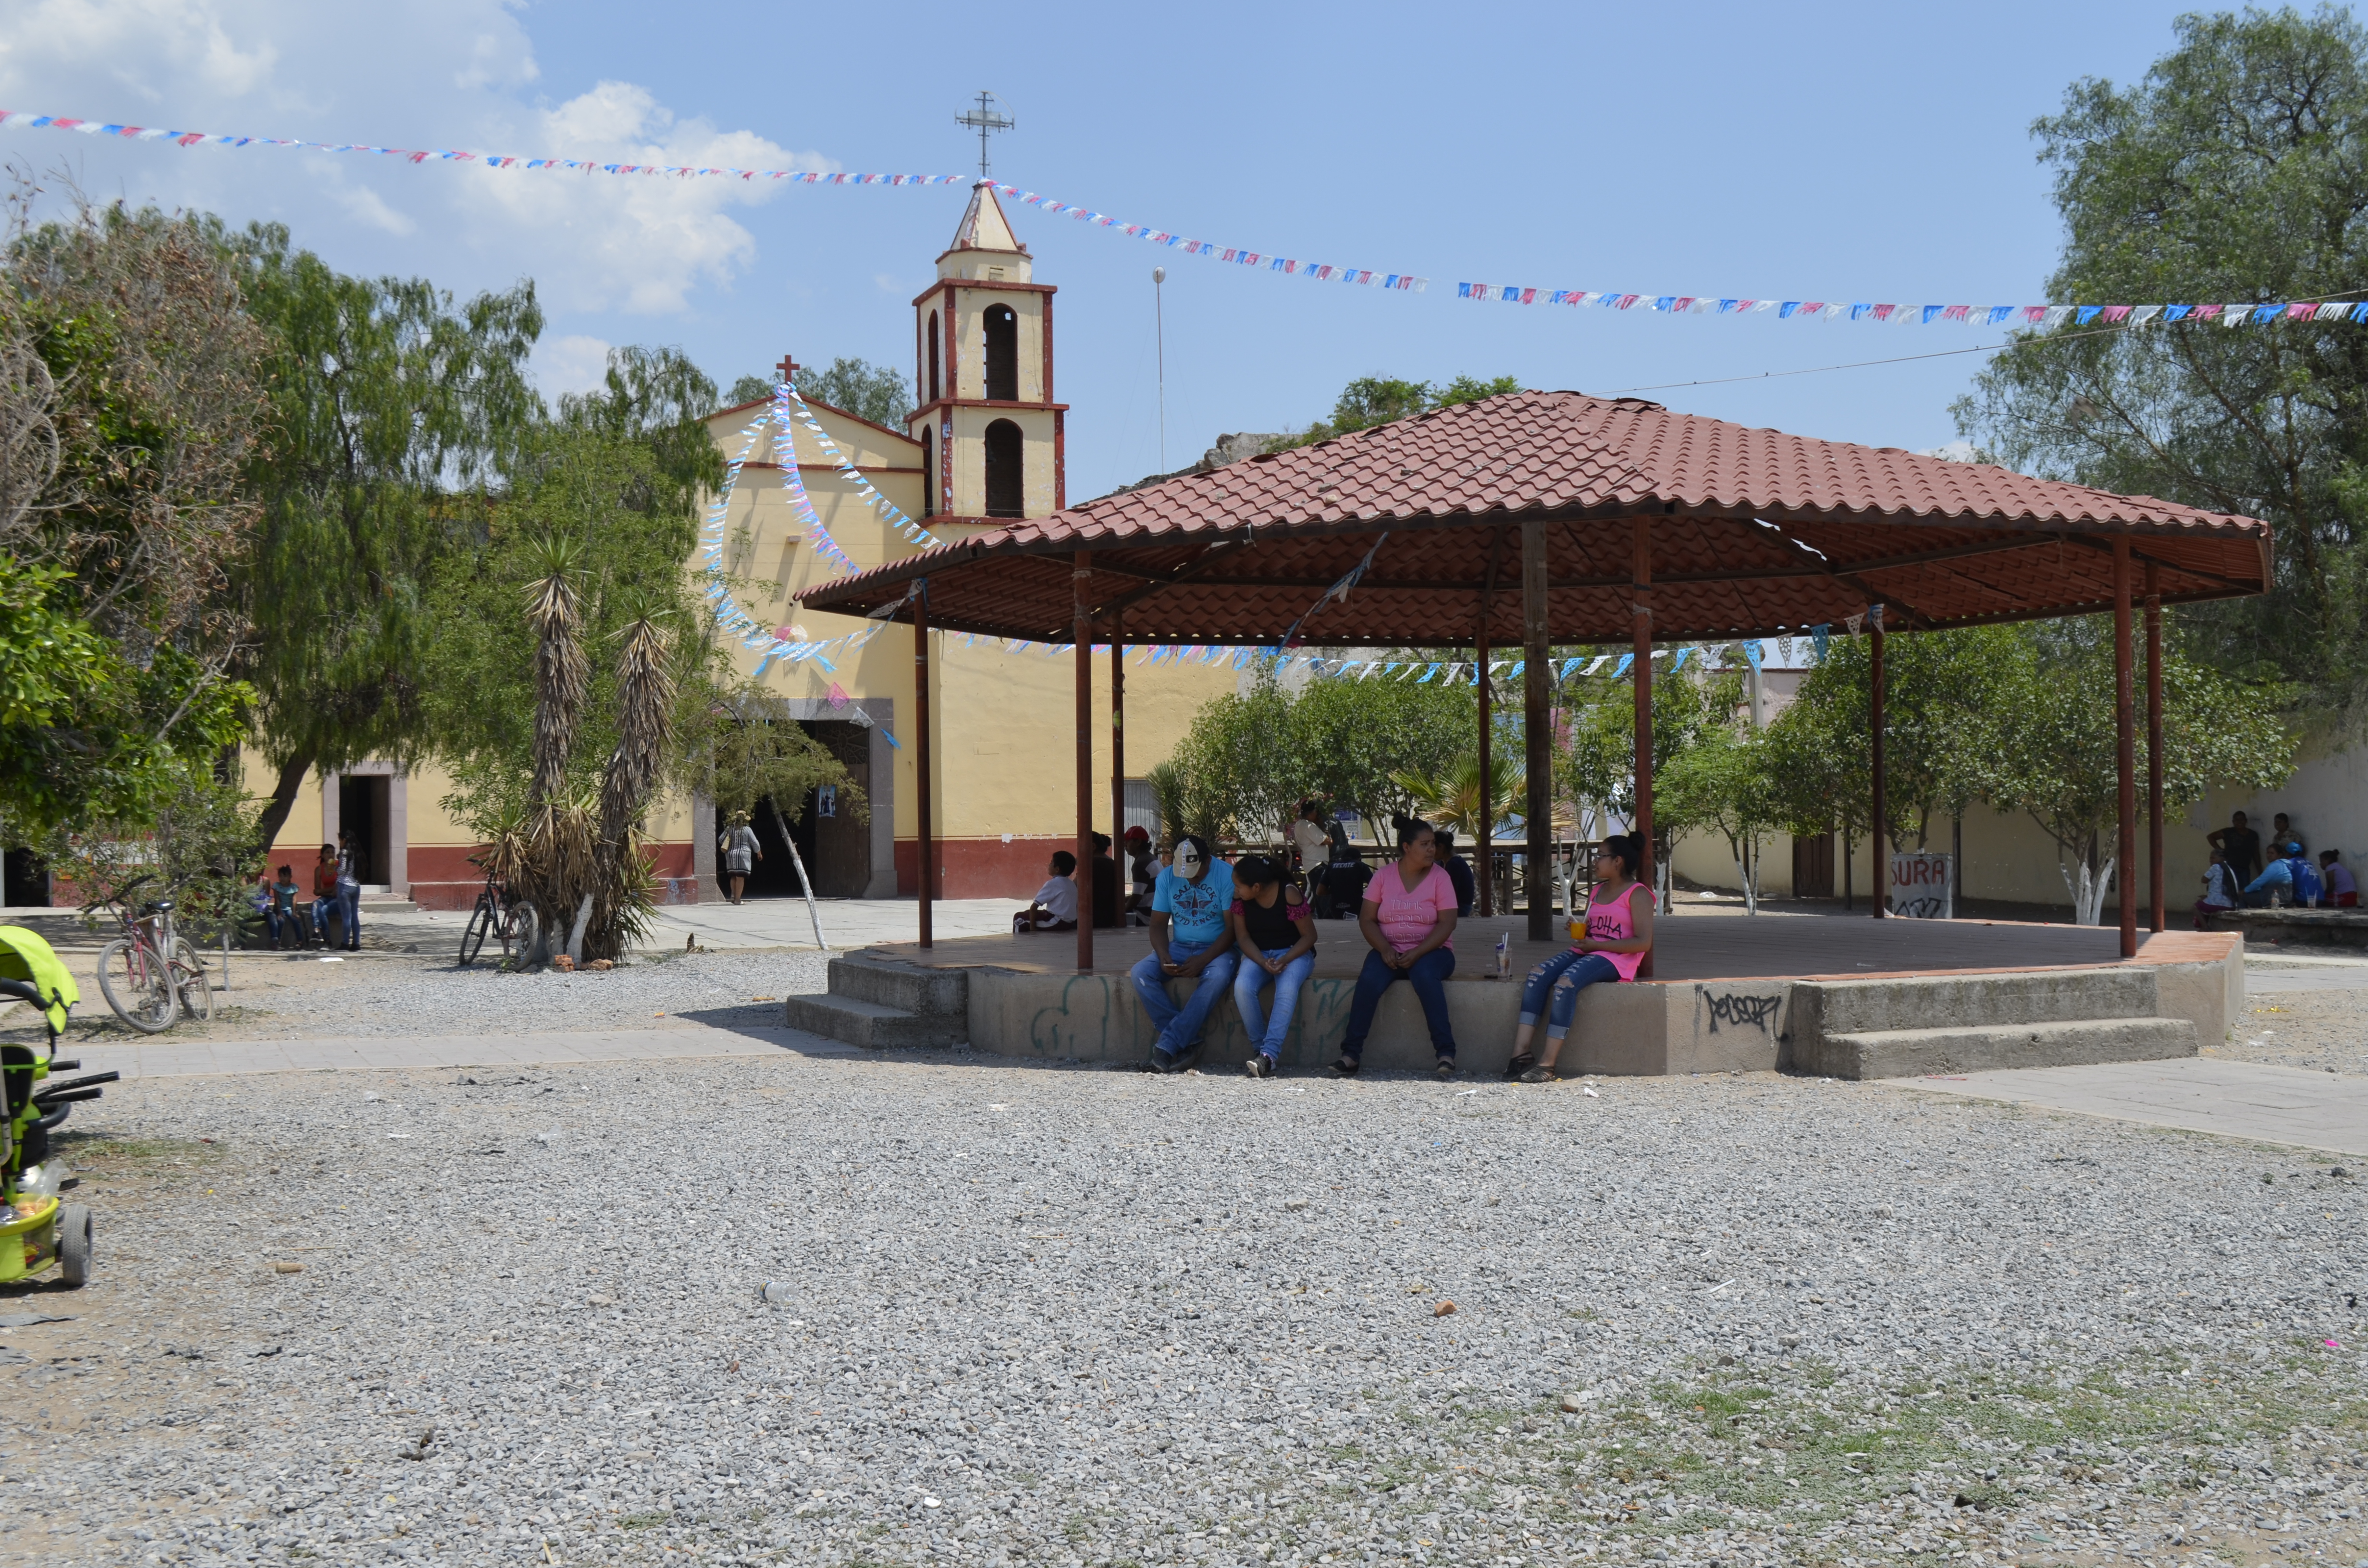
x=984, y=119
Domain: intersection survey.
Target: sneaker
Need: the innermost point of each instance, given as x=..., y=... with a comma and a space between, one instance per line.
x=1445, y=1070
x=1158, y=1062
x=1347, y=1067
x=1187, y=1059
x=1259, y=1065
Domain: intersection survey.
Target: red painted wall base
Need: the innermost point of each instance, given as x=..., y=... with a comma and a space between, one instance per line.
x=981, y=868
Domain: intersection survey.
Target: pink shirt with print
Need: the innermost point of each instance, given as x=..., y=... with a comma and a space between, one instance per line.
x=1405, y=919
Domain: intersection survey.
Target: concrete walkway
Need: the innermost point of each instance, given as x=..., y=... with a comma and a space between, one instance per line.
x=2202, y=1093
x=195, y=1058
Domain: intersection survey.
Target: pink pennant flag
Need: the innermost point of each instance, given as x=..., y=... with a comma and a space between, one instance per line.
x=838, y=699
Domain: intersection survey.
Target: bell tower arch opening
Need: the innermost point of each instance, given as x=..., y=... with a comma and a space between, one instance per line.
x=1002, y=354
x=1005, y=488
x=937, y=361
x=928, y=471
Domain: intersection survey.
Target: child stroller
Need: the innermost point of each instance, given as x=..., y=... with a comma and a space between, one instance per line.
x=36, y=1229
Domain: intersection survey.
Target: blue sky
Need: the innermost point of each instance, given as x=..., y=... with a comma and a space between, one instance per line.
x=1841, y=151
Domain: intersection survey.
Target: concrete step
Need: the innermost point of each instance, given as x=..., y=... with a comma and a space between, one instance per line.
x=1906, y=1053
x=868, y=1024
x=1922, y=1002
x=941, y=994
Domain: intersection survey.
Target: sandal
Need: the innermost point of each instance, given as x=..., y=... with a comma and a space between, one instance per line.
x=1539, y=1075
x=1521, y=1064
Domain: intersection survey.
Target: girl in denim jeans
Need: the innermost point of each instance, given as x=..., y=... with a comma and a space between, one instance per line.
x=1275, y=930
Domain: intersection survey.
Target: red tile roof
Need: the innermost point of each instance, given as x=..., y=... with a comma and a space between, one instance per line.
x=1754, y=533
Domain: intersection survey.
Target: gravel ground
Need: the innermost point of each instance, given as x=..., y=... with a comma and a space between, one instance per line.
x=1065, y=1316
x=278, y=997
x=2302, y=1028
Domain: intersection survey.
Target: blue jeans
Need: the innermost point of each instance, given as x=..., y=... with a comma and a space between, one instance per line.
x=348, y=902
x=1428, y=975
x=1179, y=1027
x=1267, y=1033
x=1575, y=970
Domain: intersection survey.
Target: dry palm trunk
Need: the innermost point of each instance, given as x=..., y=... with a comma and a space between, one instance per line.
x=645, y=692
x=561, y=677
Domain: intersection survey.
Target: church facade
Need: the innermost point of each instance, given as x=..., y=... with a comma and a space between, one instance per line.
x=985, y=445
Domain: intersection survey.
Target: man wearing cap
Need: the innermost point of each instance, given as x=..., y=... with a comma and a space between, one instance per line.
x=1190, y=939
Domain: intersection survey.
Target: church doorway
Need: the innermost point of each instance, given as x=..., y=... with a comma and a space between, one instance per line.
x=362, y=823
x=1006, y=495
x=833, y=844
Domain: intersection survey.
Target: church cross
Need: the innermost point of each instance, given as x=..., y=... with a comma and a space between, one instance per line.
x=787, y=371
x=984, y=119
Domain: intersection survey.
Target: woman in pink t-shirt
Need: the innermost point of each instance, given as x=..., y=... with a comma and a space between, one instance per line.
x=1610, y=945
x=1408, y=917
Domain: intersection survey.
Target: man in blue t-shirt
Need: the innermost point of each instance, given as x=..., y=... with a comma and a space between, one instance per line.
x=1190, y=939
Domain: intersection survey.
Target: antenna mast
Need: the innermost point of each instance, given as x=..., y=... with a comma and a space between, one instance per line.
x=984, y=119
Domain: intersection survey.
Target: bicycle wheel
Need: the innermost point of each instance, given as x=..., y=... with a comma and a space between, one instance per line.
x=520, y=933
x=137, y=987
x=190, y=981
x=482, y=921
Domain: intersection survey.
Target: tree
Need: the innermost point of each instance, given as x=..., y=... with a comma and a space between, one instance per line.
x=854, y=386
x=1721, y=783
x=2048, y=748
x=1353, y=739
x=1376, y=400
x=2231, y=173
x=1242, y=779
x=390, y=409
x=1450, y=798
x=128, y=394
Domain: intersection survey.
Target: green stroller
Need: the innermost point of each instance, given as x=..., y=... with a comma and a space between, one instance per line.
x=38, y=1231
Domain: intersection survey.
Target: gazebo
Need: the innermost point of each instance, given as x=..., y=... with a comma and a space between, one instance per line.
x=1535, y=518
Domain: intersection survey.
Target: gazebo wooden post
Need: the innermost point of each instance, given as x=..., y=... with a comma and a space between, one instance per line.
x=1118, y=750
x=2153, y=747
x=922, y=755
x=2126, y=758
x=1079, y=571
x=1878, y=843
x=1537, y=727
x=1485, y=852
x=1640, y=635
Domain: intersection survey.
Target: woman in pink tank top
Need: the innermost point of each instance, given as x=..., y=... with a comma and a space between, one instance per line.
x=1612, y=943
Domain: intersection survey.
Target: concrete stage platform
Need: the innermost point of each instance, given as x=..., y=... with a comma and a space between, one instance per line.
x=1840, y=995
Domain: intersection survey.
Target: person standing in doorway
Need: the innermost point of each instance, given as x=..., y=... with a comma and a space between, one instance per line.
x=2239, y=846
x=741, y=853
x=349, y=905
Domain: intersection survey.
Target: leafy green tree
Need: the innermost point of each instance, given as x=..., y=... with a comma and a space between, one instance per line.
x=128, y=394
x=392, y=411
x=856, y=386
x=2230, y=173
x=1721, y=784
x=1355, y=740
x=1376, y=400
x=1244, y=779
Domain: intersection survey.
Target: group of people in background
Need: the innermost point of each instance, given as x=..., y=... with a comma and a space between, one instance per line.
x=2239, y=877
x=337, y=889
x=1249, y=928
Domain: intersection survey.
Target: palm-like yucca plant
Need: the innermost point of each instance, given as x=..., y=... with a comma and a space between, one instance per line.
x=1451, y=799
x=624, y=890
x=555, y=610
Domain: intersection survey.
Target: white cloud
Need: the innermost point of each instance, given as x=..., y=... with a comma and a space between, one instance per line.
x=638, y=242
x=443, y=73
x=571, y=364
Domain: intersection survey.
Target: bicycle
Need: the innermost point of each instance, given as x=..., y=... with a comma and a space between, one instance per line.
x=515, y=924
x=151, y=974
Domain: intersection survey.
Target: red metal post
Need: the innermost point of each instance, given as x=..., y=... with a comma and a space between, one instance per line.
x=1118, y=745
x=1878, y=841
x=1640, y=639
x=1085, y=634
x=922, y=755
x=2125, y=747
x=1485, y=851
x=2155, y=895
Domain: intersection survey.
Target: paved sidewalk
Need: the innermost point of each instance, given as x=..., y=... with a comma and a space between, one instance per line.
x=2203, y=1094
x=191, y=1058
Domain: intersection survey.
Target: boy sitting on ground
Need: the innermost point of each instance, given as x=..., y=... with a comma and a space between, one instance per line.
x=1054, y=908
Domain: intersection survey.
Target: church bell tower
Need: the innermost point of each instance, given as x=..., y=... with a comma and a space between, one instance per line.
x=990, y=433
